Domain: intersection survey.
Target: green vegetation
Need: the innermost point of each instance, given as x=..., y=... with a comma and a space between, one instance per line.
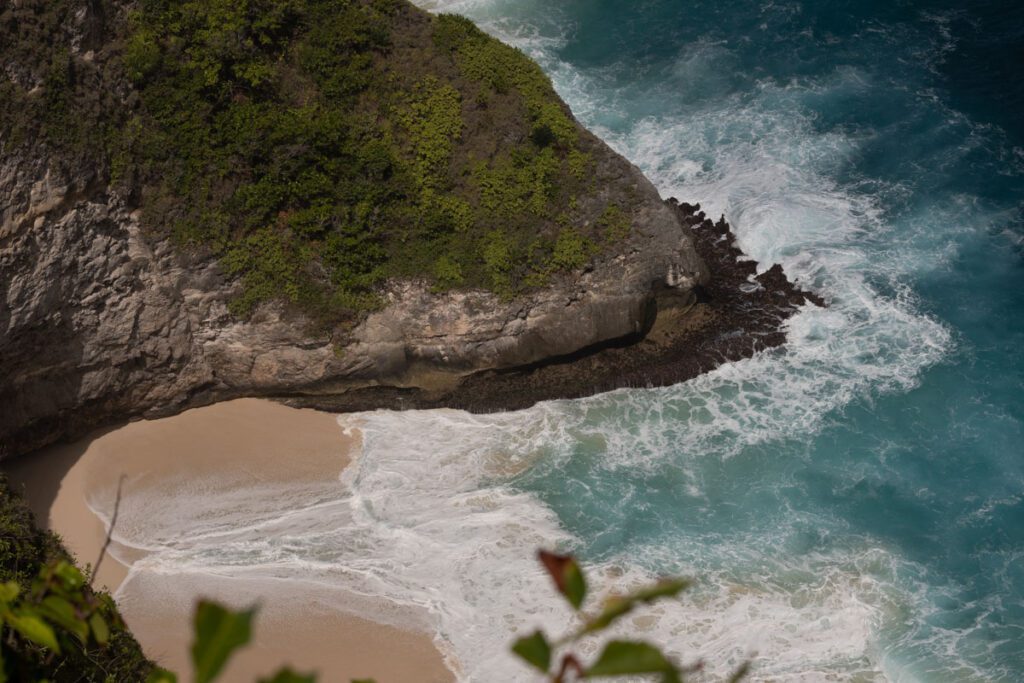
x=571, y=250
x=47, y=94
x=315, y=147
x=432, y=118
x=499, y=69
x=614, y=225
x=52, y=624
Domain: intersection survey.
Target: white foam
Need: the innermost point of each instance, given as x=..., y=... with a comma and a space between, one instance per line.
x=757, y=158
x=424, y=519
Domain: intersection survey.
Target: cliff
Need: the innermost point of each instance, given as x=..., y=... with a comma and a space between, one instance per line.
x=105, y=316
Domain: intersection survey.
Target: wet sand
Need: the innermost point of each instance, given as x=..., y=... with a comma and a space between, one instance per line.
x=239, y=443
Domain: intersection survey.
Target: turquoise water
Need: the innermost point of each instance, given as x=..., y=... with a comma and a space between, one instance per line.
x=875, y=149
x=853, y=503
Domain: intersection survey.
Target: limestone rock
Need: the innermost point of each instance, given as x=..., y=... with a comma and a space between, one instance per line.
x=100, y=320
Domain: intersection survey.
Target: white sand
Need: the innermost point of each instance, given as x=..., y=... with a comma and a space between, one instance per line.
x=252, y=441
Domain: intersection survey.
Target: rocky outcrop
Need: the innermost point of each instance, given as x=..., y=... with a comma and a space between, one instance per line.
x=735, y=314
x=103, y=319
x=100, y=320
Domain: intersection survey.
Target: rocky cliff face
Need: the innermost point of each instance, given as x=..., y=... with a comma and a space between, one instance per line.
x=100, y=320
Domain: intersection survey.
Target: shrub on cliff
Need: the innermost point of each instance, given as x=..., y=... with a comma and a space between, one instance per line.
x=316, y=147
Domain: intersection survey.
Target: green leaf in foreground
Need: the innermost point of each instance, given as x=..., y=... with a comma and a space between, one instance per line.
x=9, y=592
x=218, y=633
x=35, y=629
x=619, y=606
x=622, y=657
x=567, y=575
x=62, y=613
x=69, y=574
x=289, y=676
x=100, y=630
x=535, y=650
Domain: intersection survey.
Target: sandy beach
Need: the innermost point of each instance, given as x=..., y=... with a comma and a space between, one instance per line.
x=239, y=443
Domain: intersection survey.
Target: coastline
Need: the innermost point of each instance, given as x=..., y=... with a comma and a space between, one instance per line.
x=736, y=315
x=235, y=443
x=243, y=442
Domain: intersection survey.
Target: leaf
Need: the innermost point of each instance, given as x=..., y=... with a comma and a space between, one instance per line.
x=614, y=608
x=288, y=676
x=567, y=575
x=161, y=676
x=35, y=629
x=9, y=591
x=62, y=613
x=218, y=633
x=100, y=630
x=575, y=585
x=666, y=588
x=535, y=650
x=619, y=606
x=69, y=574
x=624, y=657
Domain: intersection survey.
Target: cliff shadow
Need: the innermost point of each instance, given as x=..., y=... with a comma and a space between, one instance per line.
x=38, y=476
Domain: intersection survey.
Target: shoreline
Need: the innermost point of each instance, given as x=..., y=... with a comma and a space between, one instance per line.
x=242, y=443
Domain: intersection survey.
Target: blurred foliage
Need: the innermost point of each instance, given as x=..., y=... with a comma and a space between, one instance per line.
x=52, y=624
x=219, y=632
x=559, y=663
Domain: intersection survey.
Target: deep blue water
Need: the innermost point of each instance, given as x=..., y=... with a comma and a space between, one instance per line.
x=877, y=150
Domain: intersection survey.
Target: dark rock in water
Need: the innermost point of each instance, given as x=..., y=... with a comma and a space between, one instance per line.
x=684, y=335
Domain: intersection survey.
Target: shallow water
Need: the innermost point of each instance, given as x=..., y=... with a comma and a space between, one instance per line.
x=853, y=504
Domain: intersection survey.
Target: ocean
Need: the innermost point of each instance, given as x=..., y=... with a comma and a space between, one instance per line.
x=851, y=504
